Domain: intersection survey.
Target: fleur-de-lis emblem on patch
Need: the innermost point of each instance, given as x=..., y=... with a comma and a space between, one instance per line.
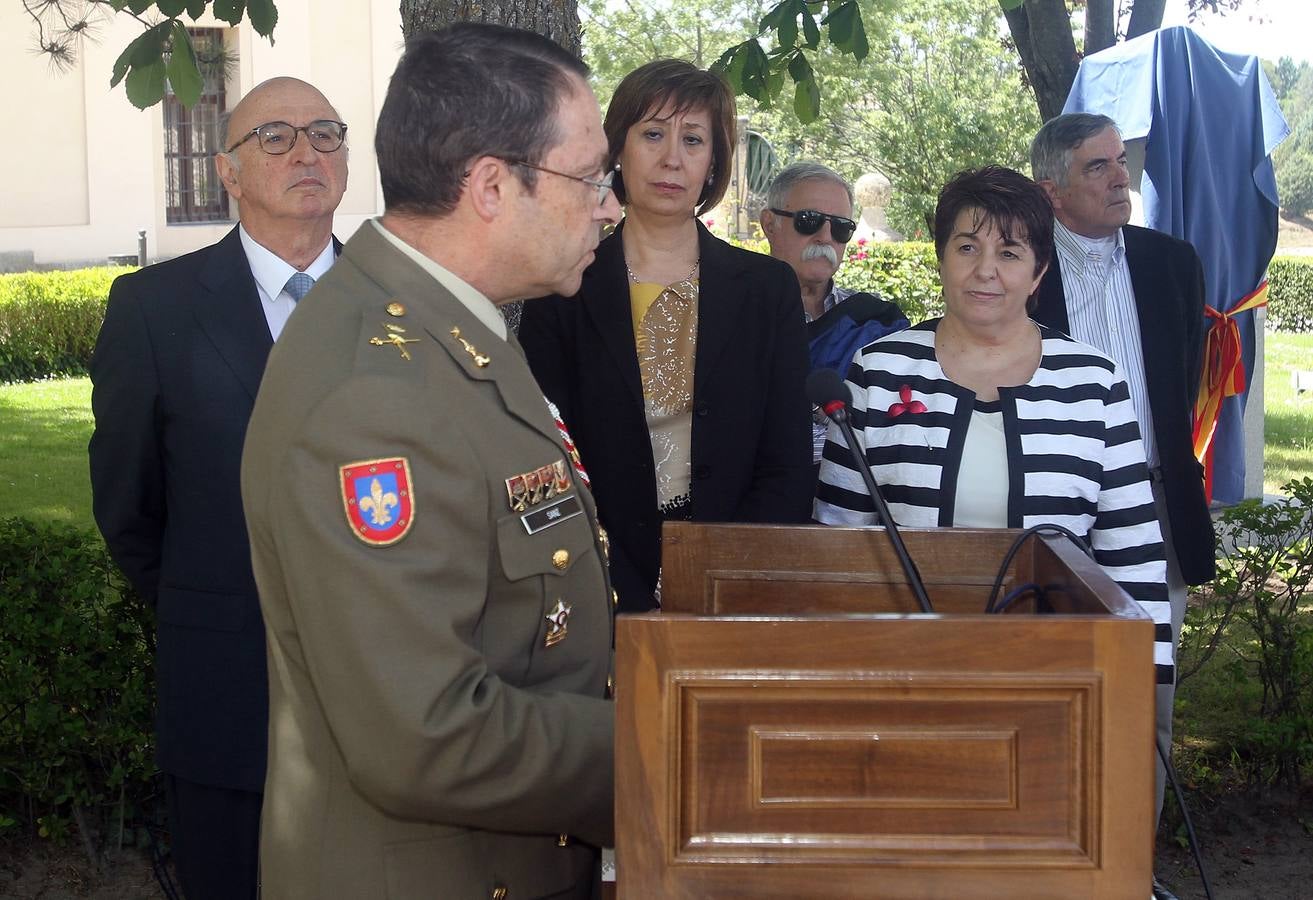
x=377, y=503
x=907, y=405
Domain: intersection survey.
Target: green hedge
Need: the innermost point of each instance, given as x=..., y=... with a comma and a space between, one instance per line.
x=49, y=321
x=75, y=685
x=1290, y=293
x=906, y=273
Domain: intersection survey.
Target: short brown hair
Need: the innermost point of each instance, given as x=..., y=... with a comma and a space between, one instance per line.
x=1017, y=207
x=683, y=85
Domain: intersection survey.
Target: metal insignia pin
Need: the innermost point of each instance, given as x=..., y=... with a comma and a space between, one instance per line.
x=480, y=359
x=557, y=623
x=395, y=340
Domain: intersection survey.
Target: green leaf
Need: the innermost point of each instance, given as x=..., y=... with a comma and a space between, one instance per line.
x=140, y=6
x=799, y=68
x=772, y=19
x=730, y=67
x=146, y=84
x=150, y=45
x=756, y=70
x=840, y=21
x=171, y=8
x=124, y=62
x=229, y=11
x=264, y=16
x=196, y=8
x=184, y=74
x=847, y=31
x=788, y=30
x=810, y=32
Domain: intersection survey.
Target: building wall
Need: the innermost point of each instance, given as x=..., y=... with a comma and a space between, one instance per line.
x=84, y=169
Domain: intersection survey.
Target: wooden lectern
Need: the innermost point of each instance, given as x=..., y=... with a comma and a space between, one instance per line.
x=790, y=726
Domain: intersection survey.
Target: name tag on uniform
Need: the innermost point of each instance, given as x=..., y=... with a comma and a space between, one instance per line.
x=547, y=516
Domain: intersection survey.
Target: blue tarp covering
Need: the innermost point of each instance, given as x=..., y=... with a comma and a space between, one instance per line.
x=1210, y=122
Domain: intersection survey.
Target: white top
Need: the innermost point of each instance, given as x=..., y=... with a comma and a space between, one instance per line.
x=981, y=500
x=1096, y=282
x=271, y=273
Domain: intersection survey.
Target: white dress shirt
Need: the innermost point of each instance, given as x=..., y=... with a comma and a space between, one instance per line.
x=271, y=273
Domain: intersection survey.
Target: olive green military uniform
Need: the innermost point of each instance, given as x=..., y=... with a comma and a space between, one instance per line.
x=438, y=631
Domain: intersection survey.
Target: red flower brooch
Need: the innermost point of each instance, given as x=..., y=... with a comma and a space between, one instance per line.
x=908, y=404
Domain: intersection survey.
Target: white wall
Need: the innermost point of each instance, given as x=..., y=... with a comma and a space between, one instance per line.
x=84, y=170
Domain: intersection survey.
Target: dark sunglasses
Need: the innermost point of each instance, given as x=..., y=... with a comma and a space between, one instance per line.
x=809, y=221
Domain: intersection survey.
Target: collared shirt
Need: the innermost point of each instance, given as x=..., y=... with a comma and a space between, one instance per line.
x=271, y=273
x=1101, y=312
x=836, y=296
x=470, y=297
x=820, y=421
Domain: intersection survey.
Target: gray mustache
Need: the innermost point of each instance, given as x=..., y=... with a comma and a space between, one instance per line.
x=815, y=251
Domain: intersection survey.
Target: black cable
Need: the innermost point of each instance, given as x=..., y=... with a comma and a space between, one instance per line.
x=1018, y=592
x=1185, y=814
x=1016, y=545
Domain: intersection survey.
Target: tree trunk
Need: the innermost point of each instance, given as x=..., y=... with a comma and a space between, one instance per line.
x=1146, y=16
x=1041, y=30
x=1100, y=26
x=556, y=19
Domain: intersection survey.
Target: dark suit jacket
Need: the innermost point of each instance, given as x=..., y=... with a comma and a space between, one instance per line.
x=751, y=453
x=175, y=373
x=1168, y=280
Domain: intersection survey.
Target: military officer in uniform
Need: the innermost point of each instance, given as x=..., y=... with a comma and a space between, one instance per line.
x=431, y=573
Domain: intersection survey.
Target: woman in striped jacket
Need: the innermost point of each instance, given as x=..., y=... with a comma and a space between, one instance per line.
x=985, y=419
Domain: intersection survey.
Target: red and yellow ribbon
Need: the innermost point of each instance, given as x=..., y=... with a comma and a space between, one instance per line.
x=1223, y=375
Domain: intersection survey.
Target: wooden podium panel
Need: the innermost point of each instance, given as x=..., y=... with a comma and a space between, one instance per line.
x=731, y=570
x=882, y=754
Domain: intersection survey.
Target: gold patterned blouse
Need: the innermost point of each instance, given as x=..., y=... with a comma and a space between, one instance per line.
x=665, y=333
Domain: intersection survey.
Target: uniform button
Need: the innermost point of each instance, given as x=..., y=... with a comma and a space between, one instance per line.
x=702, y=409
x=563, y=840
x=615, y=598
x=610, y=687
x=561, y=558
x=500, y=892
x=702, y=471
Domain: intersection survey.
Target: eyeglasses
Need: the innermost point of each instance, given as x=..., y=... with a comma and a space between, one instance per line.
x=809, y=221
x=603, y=186
x=277, y=138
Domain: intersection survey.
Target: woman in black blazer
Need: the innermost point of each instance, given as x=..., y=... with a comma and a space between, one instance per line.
x=679, y=367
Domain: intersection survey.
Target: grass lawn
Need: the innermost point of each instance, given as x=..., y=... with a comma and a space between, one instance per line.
x=43, y=450
x=43, y=444
x=1288, y=417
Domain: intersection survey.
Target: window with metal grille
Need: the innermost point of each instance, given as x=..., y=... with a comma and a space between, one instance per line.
x=191, y=138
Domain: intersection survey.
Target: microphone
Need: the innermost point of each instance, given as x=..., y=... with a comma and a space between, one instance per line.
x=828, y=391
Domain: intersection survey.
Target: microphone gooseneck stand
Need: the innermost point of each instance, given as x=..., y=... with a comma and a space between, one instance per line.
x=828, y=391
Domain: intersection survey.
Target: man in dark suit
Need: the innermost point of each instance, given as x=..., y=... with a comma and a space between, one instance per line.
x=431, y=576
x=175, y=374
x=1138, y=295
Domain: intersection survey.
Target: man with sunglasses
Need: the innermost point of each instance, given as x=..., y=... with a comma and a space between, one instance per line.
x=807, y=221
x=175, y=374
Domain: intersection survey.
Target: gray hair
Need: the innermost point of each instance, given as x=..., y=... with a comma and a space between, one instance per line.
x=1050, y=152
x=799, y=172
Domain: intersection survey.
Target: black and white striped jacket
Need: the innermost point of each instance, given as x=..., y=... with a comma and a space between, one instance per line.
x=1073, y=448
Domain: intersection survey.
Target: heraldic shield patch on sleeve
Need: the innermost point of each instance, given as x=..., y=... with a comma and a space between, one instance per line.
x=379, y=504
